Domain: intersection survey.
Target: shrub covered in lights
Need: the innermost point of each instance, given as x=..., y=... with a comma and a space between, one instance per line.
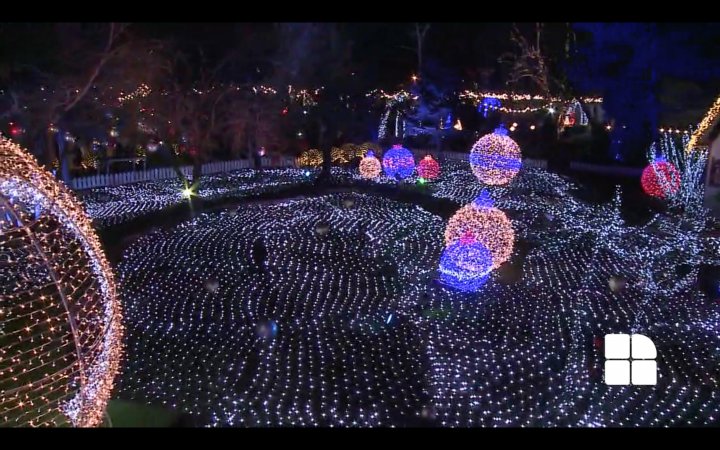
x=398, y=162
x=486, y=224
x=466, y=264
x=338, y=156
x=349, y=150
x=311, y=158
x=428, y=168
x=660, y=179
x=495, y=158
x=60, y=331
x=370, y=166
x=362, y=149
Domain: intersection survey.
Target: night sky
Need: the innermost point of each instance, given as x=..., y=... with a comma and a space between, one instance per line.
x=383, y=51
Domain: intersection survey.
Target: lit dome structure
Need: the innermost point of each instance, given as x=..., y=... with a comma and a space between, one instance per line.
x=398, y=162
x=60, y=319
x=495, y=158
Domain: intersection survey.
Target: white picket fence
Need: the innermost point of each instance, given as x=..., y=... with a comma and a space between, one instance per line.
x=116, y=179
x=163, y=173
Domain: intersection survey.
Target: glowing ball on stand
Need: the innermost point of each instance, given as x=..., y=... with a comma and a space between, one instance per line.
x=370, y=166
x=495, y=158
x=428, y=168
x=398, y=162
x=486, y=224
x=60, y=329
x=660, y=179
x=465, y=264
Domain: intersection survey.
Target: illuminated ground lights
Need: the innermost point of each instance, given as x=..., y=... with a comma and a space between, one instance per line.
x=60, y=329
x=116, y=204
x=349, y=327
x=345, y=351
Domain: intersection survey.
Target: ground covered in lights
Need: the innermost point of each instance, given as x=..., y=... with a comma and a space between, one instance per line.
x=326, y=311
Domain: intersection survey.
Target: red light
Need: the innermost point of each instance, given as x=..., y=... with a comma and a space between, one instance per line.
x=284, y=111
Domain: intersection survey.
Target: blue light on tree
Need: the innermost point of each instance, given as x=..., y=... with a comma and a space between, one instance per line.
x=398, y=162
x=465, y=264
x=488, y=104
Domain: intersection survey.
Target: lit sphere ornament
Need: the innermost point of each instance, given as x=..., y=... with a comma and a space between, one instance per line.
x=428, y=168
x=486, y=224
x=60, y=329
x=465, y=264
x=660, y=179
x=152, y=146
x=495, y=158
x=370, y=166
x=398, y=162
x=311, y=158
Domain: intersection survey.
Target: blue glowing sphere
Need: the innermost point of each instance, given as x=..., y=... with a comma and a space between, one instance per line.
x=398, y=162
x=465, y=265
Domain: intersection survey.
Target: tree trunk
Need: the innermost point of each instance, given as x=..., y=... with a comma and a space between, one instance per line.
x=325, y=147
x=63, y=157
x=50, y=152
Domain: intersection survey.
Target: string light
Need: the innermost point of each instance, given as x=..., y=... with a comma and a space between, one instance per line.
x=142, y=91
x=476, y=96
x=60, y=324
x=704, y=127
